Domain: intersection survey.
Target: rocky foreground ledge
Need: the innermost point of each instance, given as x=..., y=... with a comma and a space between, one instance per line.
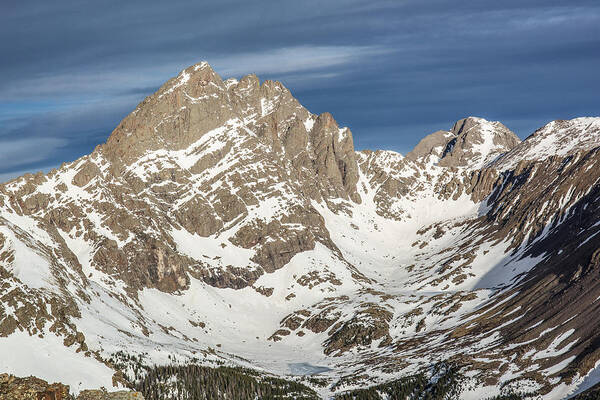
x=32, y=388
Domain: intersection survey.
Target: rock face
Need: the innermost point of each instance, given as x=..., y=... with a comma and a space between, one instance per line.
x=32, y=388
x=104, y=395
x=222, y=221
x=472, y=143
x=433, y=145
x=477, y=142
x=13, y=388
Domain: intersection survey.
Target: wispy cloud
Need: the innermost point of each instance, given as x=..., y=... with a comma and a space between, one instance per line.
x=292, y=60
x=100, y=81
x=19, y=152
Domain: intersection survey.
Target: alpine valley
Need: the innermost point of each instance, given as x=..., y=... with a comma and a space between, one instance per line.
x=224, y=225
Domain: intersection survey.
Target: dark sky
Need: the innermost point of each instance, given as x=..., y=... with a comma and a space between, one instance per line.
x=393, y=71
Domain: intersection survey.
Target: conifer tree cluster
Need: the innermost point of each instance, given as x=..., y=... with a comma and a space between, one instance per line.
x=447, y=385
x=194, y=382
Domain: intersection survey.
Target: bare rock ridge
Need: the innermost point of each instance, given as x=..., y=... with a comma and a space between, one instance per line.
x=31, y=388
x=224, y=222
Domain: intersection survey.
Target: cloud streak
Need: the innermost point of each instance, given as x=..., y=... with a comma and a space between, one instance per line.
x=15, y=153
x=295, y=60
x=100, y=81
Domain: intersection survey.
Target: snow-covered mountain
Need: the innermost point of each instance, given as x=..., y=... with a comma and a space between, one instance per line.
x=223, y=222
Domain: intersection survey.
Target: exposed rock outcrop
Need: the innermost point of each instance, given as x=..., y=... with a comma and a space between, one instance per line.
x=472, y=142
x=32, y=388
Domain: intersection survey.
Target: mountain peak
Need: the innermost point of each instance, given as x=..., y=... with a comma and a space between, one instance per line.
x=196, y=117
x=200, y=74
x=468, y=123
x=472, y=142
x=477, y=143
x=202, y=65
x=193, y=103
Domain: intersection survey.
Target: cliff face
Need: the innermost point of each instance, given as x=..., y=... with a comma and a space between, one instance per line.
x=222, y=220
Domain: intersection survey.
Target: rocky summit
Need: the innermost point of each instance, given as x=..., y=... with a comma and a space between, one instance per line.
x=222, y=223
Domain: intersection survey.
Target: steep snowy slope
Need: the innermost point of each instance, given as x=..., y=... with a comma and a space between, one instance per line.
x=222, y=221
x=557, y=138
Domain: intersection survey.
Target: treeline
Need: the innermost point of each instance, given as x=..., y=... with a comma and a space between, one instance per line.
x=194, y=382
x=446, y=385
